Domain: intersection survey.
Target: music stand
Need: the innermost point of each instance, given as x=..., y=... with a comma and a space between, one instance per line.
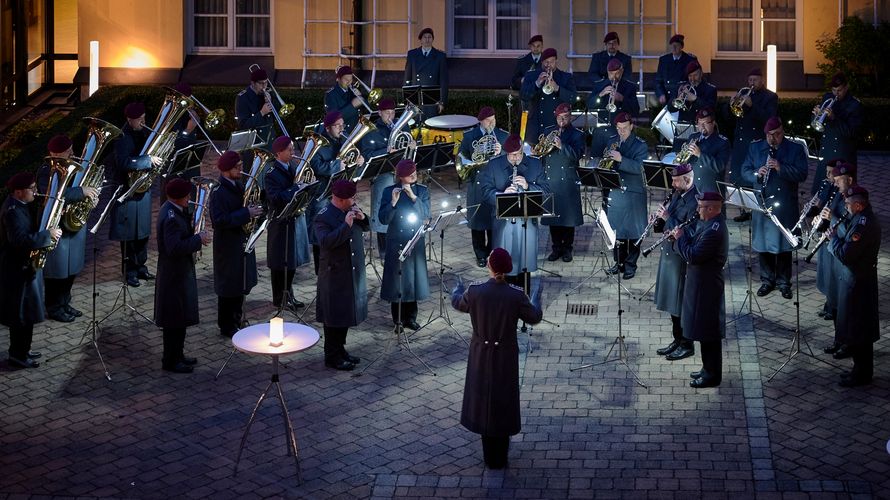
x=432, y=157
x=243, y=140
x=422, y=95
x=683, y=130
x=401, y=338
x=378, y=165
x=587, y=178
x=752, y=200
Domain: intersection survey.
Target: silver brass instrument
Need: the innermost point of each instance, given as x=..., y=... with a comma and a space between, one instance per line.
x=654, y=219
x=546, y=143
x=90, y=174
x=818, y=122
x=304, y=178
x=606, y=162
x=547, y=88
x=253, y=189
x=205, y=187
x=667, y=236
x=685, y=153
x=399, y=138
x=735, y=103
x=824, y=238
x=483, y=150
x=283, y=110
x=60, y=178
x=683, y=94
x=611, y=107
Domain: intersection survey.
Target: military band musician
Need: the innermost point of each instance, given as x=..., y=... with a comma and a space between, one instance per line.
x=341, y=98
x=560, y=166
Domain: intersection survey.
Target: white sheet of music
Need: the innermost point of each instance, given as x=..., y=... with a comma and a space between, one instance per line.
x=603, y=221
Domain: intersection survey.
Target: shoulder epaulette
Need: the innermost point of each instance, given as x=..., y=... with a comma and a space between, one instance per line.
x=640, y=139
x=517, y=287
x=478, y=282
x=722, y=137
x=690, y=54
x=242, y=92
x=756, y=140
x=323, y=210
x=170, y=213
x=715, y=226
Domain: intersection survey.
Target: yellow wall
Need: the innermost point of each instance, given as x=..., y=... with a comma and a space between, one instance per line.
x=819, y=19
x=131, y=33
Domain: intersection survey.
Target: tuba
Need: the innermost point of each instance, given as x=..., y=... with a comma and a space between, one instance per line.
x=253, y=189
x=545, y=143
x=398, y=138
x=204, y=187
x=99, y=134
x=60, y=178
x=606, y=162
x=818, y=122
x=735, y=103
x=685, y=153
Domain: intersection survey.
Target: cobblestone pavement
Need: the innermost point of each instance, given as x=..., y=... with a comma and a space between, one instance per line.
x=394, y=432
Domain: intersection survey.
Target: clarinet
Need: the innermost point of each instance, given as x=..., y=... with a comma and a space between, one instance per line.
x=651, y=223
x=824, y=238
x=666, y=236
x=822, y=225
x=765, y=180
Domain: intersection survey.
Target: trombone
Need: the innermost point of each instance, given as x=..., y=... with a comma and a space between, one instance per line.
x=285, y=108
x=212, y=120
x=374, y=94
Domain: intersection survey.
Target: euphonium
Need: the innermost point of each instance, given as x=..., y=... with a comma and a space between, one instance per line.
x=547, y=88
x=606, y=162
x=349, y=151
x=204, y=187
x=60, y=178
x=545, y=143
x=91, y=174
x=398, y=138
x=818, y=122
x=735, y=103
x=253, y=189
x=685, y=152
x=313, y=142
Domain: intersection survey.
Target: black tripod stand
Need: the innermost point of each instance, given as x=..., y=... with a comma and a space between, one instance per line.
x=745, y=199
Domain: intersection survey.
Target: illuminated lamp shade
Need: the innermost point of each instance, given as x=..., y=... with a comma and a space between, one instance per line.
x=771, y=67
x=94, y=66
x=276, y=332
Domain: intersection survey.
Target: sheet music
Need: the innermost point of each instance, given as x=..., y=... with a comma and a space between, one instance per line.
x=740, y=197
x=603, y=222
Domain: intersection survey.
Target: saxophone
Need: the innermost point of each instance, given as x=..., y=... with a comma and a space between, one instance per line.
x=606, y=162
x=99, y=134
x=685, y=153
x=60, y=178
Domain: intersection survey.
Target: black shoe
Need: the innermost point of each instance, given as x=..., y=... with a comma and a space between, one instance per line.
x=554, y=256
x=189, y=361
x=34, y=354
x=132, y=281
x=852, y=381
x=828, y=317
x=664, y=351
x=843, y=353
x=295, y=304
x=72, y=311
x=786, y=292
x=681, y=352
x=352, y=359
x=26, y=363
x=179, y=367
x=481, y=262
x=61, y=316
x=339, y=364
x=833, y=348
x=765, y=289
x=695, y=375
x=822, y=313
x=702, y=382
x=567, y=256
x=145, y=276
x=227, y=335
x=412, y=324
x=628, y=275
x=615, y=269
x=744, y=216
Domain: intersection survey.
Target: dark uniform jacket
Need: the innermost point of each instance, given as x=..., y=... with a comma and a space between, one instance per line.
x=431, y=70
x=705, y=252
x=841, y=134
x=176, y=288
x=130, y=220
x=324, y=164
x=670, y=74
x=541, y=105
x=560, y=167
x=524, y=64
x=234, y=272
x=628, y=211
x=479, y=214
x=21, y=286
x=749, y=128
x=247, y=114
x=705, y=97
x=339, y=99
x=857, y=321
x=781, y=189
x=68, y=257
x=671, y=275
x=287, y=243
x=599, y=64
x=711, y=166
x=628, y=91
x=342, y=289
x=400, y=229
x=491, y=392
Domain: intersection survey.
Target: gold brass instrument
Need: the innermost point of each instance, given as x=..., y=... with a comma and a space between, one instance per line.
x=205, y=187
x=304, y=179
x=683, y=94
x=818, y=123
x=685, y=153
x=212, y=120
x=611, y=107
x=60, y=178
x=160, y=143
x=283, y=110
x=91, y=174
x=253, y=186
x=546, y=143
x=606, y=162
x=547, y=88
x=735, y=103
x=374, y=94
x=349, y=151
x=402, y=139
x=483, y=150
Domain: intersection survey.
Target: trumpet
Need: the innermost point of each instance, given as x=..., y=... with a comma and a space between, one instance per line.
x=611, y=107
x=606, y=162
x=818, y=122
x=547, y=88
x=683, y=94
x=735, y=103
x=284, y=108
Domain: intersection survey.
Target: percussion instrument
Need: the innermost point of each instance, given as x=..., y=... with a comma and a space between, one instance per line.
x=447, y=128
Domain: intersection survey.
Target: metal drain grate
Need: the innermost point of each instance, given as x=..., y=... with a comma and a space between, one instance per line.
x=582, y=309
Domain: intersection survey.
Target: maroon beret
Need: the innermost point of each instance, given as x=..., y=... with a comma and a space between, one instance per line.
x=59, y=144
x=178, y=188
x=678, y=38
x=536, y=38
x=513, y=144
x=405, y=168
x=681, y=169
x=709, y=196
x=21, y=180
x=332, y=117
x=562, y=108
x=621, y=118
x=755, y=72
x=485, y=112
x=611, y=36
x=704, y=113
x=258, y=75
x=843, y=168
x=773, y=123
x=857, y=191
x=614, y=64
x=281, y=143
x=424, y=32
x=228, y=161
x=692, y=67
x=183, y=88
x=343, y=189
x=548, y=53
x=385, y=104
x=134, y=110
x=344, y=70
x=500, y=261
x=837, y=80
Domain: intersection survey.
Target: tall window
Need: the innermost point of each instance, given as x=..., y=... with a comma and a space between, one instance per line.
x=226, y=25
x=491, y=26
x=748, y=26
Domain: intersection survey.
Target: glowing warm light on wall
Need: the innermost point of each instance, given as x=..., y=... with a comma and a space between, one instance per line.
x=771, y=67
x=134, y=57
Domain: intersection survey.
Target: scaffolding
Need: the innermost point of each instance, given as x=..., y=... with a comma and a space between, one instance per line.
x=374, y=23
x=641, y=23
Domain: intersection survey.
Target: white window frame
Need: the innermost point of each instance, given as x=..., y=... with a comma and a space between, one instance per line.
x=231, y=25
x=492, y=19
x=757, y=35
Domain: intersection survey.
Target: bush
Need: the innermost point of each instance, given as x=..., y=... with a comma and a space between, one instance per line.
x=859, y=49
